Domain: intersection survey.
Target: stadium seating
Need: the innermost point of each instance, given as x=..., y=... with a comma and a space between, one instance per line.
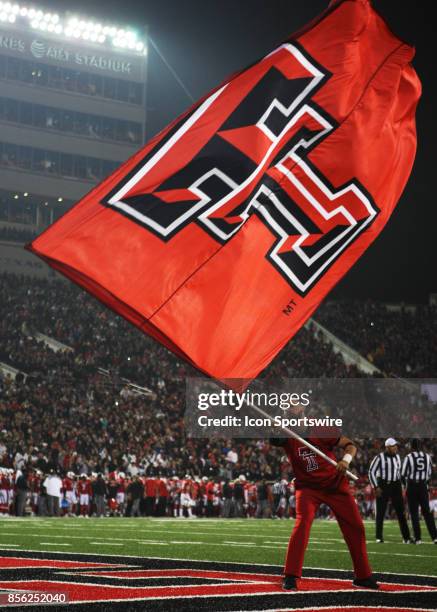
x=63, y=414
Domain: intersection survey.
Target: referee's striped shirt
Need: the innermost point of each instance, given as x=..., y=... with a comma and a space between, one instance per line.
x=279, y=489
x=417, y=467
x=384, y=468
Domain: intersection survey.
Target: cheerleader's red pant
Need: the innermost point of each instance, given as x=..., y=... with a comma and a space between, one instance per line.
x=345, y=509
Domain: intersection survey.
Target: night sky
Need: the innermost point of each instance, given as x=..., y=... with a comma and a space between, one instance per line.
x=207, y=40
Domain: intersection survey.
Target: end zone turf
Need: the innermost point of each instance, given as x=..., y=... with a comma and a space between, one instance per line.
x=167, y=565
x=114, y=583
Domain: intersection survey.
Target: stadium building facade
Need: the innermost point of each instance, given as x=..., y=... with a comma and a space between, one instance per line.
x=72, y=108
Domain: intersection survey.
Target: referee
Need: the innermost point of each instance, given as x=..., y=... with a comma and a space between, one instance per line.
x=416, y=472
x=385, y=478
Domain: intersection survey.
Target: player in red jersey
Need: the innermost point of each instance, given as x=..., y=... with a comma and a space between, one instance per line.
x=186, y=501
x=209, y=493
x=150, y=488
x=121, y=492
x=84, y=492
x=251, y=499
x=34, y=480
x=4, y=491
x=69, y=492
x=175, y=496
x=217, y=494
x=319, y=482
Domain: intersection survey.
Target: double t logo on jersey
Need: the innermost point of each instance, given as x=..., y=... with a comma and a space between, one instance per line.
x=243, y=152
x=309, y=456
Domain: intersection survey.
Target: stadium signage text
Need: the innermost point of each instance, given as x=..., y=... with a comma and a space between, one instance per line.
x=41, y=49
x=9, y=42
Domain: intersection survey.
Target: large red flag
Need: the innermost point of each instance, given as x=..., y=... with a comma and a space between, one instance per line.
x=225, y=232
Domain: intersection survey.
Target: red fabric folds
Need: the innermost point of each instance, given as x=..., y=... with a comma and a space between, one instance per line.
x=225, y=232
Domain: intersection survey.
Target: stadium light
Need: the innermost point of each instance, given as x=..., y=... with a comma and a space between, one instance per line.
x=73, y=26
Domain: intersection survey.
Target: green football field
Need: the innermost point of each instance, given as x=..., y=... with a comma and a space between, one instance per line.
x=246, y=541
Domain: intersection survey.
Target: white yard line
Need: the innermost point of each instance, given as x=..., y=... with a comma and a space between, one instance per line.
x=90, y=528
x=107, y=543
x=238, y=563
x=278, y=540
x=313, y=545
x=372, y=552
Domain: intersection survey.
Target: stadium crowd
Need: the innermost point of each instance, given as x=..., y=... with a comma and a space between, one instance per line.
x=60, y=415
x=31, y=491
x=401, y=342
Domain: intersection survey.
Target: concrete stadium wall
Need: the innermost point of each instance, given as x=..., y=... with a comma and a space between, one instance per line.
x=15, y=260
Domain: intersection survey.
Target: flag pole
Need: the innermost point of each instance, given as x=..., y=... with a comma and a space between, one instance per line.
x=296, y=436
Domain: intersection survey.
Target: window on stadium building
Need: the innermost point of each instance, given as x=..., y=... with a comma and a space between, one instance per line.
x=28, y=209
x=66, y=79
x=55, y=163
x=83, y=124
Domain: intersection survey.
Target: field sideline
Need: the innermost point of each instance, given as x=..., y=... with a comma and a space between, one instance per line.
x=244, y=541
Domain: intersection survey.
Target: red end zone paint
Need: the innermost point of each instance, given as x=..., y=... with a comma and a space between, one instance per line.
x=157, y=584
x=186, y=573
x=17, y=562
x=248, y=584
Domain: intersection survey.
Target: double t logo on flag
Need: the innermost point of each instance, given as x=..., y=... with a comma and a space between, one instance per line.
x=225, y=232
